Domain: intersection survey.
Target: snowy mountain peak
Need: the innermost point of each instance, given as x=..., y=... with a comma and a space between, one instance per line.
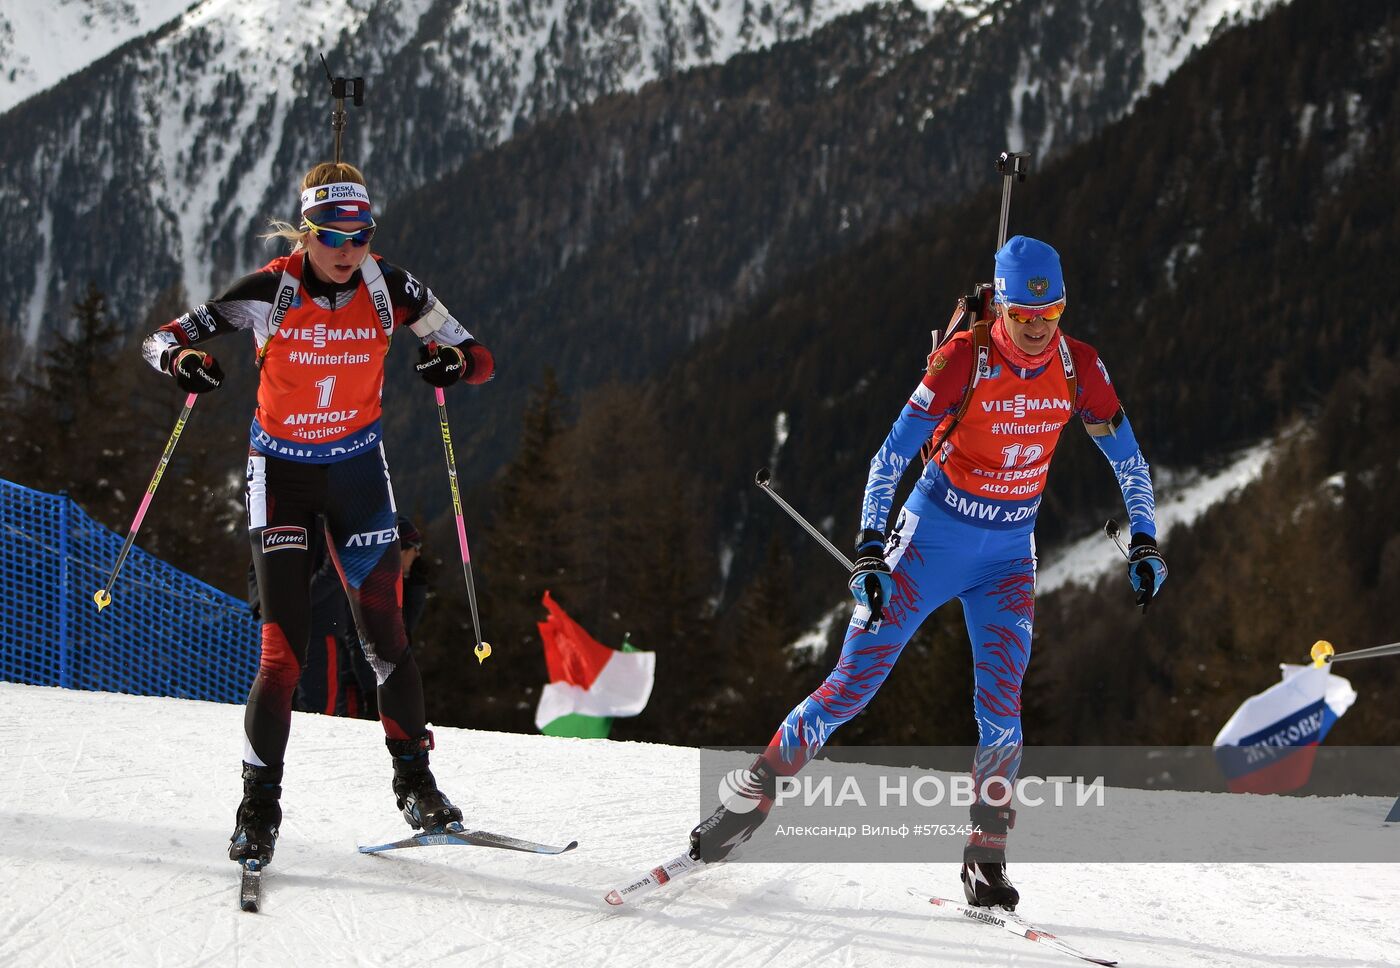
x=196, y=114
x=193, y=132
x=42, y=43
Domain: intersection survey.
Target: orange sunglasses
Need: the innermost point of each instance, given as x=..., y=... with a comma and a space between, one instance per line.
x=1024, y=314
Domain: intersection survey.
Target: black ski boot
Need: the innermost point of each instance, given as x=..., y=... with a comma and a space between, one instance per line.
x=424, y=806
x=259, y=815
x=741, y=811
x=984, y=877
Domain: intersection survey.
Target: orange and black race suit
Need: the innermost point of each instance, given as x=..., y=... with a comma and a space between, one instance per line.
x=316, y=456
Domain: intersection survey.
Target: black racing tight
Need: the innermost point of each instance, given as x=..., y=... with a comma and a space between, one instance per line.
x=286, y=500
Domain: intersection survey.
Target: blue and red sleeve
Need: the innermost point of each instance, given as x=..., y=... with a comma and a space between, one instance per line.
x=938, y=394
x=1097, y=403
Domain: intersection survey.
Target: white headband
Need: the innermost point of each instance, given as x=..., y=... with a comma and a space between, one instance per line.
x=336, y=192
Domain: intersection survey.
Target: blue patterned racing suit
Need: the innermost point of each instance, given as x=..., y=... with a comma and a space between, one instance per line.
x=952, y=540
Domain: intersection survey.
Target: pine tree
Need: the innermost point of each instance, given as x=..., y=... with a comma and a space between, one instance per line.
x=752, y=685
x=627, y=551
x=66, y=440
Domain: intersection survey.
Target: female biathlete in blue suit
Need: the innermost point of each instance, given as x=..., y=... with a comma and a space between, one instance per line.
x=966, y=532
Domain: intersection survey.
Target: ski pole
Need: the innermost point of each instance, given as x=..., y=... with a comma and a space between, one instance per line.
x=103, y=596
x=1324, y=654
x=763, y=479
x=1110, y=528
x=483, y=648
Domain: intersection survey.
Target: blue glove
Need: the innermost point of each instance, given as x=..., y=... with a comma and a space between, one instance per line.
x=1146, y=569
x=872, y=585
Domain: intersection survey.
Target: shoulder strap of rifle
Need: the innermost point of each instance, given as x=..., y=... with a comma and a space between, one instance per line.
x=981, y=364
x=1067, y=361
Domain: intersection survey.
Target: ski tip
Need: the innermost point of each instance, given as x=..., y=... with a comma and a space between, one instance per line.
x=614, y=898
x=570, y=846
x=250, y=906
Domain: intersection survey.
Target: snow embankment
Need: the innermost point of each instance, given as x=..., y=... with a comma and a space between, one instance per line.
x=115, y=813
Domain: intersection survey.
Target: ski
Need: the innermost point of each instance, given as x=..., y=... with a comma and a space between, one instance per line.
x=678, y=866
x=1001, y=918
x=456, y=835
x=250, y=885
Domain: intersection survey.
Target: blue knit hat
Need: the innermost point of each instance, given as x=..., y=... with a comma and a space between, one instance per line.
x=1028, y=273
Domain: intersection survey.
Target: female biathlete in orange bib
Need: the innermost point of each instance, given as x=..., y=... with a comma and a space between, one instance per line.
x=966, y=532
x=321, y=320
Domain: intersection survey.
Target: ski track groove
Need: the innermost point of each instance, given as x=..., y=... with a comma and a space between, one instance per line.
x=52, y=912
x=349, y=926
x=437, y=877
x=642, y=914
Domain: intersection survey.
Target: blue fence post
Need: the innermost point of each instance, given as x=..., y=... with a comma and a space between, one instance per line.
x=65, y=671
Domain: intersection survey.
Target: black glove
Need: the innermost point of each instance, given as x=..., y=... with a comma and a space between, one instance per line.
x=871, y=583
x=1146, y=568
x=196, y=371
x=442, y=366
x=870, y=542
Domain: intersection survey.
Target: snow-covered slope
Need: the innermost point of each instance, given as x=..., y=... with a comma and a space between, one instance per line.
x=43, y=42
x=115, y=811
x=1181, y=499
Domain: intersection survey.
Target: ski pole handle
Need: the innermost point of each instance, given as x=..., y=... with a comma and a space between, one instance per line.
x=1110, y=528
x=483, y=648
x=1375, y=652
x=103, y=596
x=763, y=479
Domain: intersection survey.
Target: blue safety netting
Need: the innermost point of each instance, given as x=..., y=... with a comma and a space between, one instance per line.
x=164, y=634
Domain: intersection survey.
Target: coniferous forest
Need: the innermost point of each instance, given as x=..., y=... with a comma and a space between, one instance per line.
x=1225, y=247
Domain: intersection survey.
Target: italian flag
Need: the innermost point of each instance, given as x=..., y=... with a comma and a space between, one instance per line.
x=589, y=683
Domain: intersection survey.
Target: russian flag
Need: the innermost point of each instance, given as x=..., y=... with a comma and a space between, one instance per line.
x=1269, y=744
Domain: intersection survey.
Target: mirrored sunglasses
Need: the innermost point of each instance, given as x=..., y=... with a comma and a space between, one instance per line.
x=335, y=238
x=1024, y=314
